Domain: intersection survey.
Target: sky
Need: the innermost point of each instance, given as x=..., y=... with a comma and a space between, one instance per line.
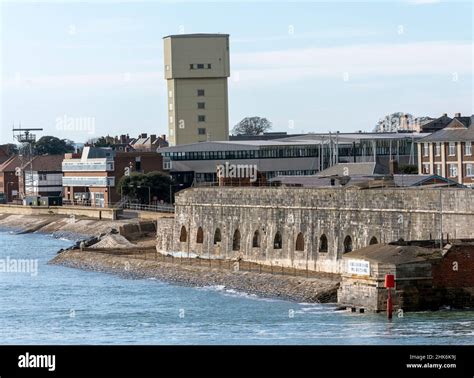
x=82, y=69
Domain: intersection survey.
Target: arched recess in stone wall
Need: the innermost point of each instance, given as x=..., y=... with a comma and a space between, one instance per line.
x=373, y=241
x=200, y=236
x=236, y=241
x=183, y=235
x=217, y=236
x=277, y=241
x=347, y=244
x=323, y=243
x=299, y=245
x=256, y=239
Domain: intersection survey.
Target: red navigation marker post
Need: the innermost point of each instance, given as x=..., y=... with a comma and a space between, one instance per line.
x=389, y=283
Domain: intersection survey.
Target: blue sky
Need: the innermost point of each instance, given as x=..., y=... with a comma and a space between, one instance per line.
x=306, y=66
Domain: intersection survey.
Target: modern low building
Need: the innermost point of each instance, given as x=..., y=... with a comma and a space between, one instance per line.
x=93, y=176
x=196, y=71
x=296, y=155
x=448, y=152
x=43, y=176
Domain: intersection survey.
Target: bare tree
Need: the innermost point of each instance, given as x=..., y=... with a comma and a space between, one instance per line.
x=252, y=126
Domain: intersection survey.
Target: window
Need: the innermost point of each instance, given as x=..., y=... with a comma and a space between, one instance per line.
x=453, y=170
x=347, y=244
x=167, y=67
x=426, y=149
x=183, y=236
x=201, y=118
x=191, y=66
x=438, y=149
x=171, y=106
x=438, y=169
x=200, y=92
x=201, y=131
x=209, y=65
x=200, y=236
x=256, y=240
x=299, y=242
x=277, y=241
x=469, y=170
x=426, y=168
x=201, y=105
x=236, y=241
x=452, y=148
x=217, y=236
x=323, y=243
x=200, y=66
x=468, y=148
x=170, y=94
x=171, y=119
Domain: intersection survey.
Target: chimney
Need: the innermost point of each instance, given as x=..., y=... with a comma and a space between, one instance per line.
x=123, y=139
x=163, y=136
x=143, y=135
x=457, y=115
x=152, y=137
x=445, y=114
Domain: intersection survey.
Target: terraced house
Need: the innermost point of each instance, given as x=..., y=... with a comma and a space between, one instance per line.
x=449, y=152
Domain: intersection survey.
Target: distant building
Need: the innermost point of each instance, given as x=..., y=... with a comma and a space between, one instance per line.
x=149, y=143
x=294, y=155
x=93, y=176
x=436, y=124
x=448, y=152
x=196, y=71
x=8, y=179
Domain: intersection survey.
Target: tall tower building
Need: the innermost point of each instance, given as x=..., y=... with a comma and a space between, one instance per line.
x=196, y=71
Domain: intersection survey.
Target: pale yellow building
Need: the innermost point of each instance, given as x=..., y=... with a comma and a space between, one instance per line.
x=196, y=71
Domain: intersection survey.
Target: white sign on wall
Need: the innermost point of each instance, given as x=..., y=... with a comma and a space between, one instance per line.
x=360, y=267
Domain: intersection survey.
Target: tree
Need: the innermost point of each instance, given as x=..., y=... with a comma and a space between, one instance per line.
x=252, y=126
x=10, y=149
x=53, y=146
x=139, y=186
x=408, y=169
x=107, y=141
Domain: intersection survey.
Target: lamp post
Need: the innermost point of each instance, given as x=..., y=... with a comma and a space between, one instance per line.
x=171, y=191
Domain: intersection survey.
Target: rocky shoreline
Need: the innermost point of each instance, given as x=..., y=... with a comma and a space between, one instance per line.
x=301, y=289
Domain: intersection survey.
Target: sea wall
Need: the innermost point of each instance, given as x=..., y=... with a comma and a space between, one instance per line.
x=80, y=211
x=310, y=227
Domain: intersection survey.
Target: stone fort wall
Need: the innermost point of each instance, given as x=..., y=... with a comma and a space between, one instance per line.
x=310, y=228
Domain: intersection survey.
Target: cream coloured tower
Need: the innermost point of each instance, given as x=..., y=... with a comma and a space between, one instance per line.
x=196, y=71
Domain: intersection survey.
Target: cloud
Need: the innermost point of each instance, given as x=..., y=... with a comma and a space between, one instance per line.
x=363, y=61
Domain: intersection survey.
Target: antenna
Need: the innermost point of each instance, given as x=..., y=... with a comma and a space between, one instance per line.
x=24, y=136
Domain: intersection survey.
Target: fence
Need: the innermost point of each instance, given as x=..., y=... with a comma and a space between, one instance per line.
x=157, y=208
x=150, y=253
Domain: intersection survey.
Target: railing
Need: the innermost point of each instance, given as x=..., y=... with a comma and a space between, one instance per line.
x=162, y=208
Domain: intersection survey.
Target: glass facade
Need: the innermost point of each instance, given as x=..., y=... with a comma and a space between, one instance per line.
x=88, y=166
x=88, y=181
x=362, y=148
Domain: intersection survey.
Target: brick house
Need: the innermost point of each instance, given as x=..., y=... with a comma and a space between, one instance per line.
x=8, y=179
x=92, y=177
x=448, y=152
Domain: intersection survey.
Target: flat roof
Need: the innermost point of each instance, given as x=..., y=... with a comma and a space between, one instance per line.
x=196, y=35
x=302, y=140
